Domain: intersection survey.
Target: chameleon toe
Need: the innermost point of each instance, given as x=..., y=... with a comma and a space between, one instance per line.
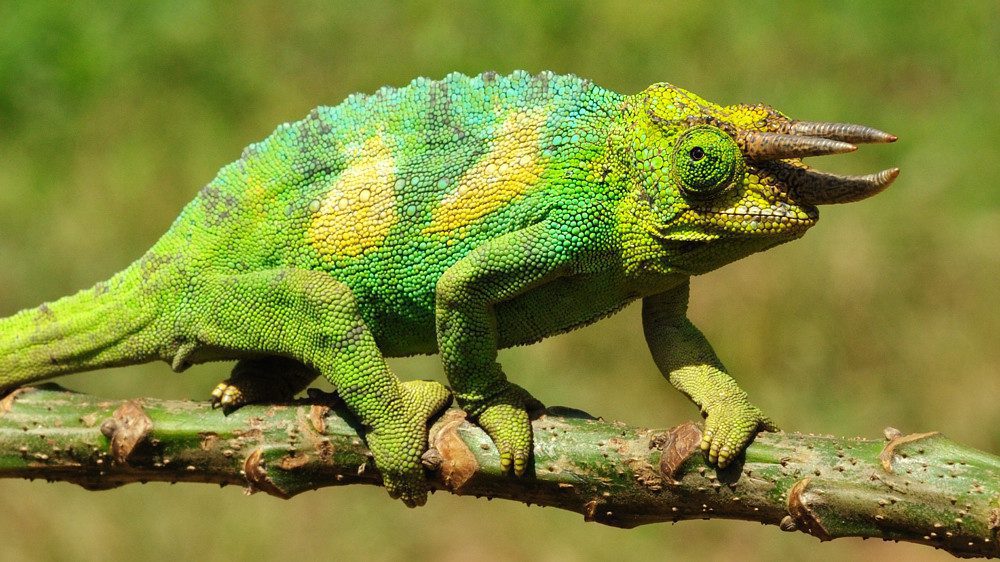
x=511, y=433
x=520, y=464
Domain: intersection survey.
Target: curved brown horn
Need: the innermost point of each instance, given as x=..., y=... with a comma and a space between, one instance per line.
x=774, y=146
x=821, y=188
x=845, y=132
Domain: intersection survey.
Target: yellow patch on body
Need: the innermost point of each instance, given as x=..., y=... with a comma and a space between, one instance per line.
x=360, y=207
x=510, y=168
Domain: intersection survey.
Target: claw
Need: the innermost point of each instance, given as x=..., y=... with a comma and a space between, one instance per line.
x=713, y=452
x=218, y=390
x=724, y=456
x=505, y=462
x=520, y=463
x=706, y=440
x=414, y=500
x=507, y=423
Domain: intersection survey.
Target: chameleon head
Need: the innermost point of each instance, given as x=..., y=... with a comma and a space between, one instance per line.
x=727, y=181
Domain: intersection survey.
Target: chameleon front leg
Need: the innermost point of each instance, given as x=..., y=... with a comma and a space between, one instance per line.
x=687, y=360
x=312, y=318
x=467, y=331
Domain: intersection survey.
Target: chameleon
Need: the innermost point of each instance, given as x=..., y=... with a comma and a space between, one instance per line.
x=457, y=217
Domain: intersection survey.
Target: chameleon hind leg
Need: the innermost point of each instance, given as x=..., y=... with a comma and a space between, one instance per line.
x=262, y=379
x=313, y=318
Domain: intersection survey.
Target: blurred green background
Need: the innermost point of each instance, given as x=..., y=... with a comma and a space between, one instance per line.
x=113, y=115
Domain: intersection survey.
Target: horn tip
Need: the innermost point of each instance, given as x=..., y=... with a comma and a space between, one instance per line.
x=889, y=176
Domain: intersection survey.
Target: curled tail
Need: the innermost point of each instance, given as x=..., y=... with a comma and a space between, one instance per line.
x=107, y=325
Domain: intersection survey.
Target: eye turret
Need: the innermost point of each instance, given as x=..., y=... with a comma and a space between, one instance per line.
x=705, y=162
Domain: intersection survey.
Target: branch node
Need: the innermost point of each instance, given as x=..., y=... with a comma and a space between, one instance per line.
x=457, y=463
x=128, y=427
x=676, y=446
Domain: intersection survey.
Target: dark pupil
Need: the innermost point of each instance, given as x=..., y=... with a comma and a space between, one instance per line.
x=697, y=153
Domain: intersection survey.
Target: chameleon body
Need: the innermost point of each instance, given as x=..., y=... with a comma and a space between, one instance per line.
x=455, y=217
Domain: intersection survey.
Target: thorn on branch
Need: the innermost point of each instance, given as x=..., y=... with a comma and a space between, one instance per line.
x=803, y=516
x=8, y=401
x=255, y=471
x=897, y=439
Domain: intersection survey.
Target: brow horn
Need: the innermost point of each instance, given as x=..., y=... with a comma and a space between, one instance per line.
x=821, y=188
x=776, y=146
x=844, y=132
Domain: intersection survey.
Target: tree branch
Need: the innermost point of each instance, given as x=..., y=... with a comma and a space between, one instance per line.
x=921, y=488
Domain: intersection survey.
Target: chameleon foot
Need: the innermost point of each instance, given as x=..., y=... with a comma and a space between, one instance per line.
x=267, y=379
x=398, y=444
x=227, y=396
x=506, y=421
x=730, y=426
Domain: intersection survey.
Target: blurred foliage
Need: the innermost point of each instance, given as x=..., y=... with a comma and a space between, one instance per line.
x=113, y=114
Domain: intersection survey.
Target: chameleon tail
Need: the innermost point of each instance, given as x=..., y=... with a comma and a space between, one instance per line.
x=107, y=325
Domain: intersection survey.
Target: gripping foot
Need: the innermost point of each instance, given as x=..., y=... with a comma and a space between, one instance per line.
x=398, y=443
x=266, y=379
x=505, y=419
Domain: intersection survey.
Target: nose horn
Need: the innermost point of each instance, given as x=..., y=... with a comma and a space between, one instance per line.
x=844, y=132
x=776, y=146
x=798, y=139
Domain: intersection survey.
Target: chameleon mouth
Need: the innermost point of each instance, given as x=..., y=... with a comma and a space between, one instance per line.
x=778, y=152
x=769, y=220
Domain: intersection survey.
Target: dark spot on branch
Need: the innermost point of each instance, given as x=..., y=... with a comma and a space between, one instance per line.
x=291, y=462
x=208, y=440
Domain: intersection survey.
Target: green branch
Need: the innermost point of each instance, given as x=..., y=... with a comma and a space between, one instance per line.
x=921, y=488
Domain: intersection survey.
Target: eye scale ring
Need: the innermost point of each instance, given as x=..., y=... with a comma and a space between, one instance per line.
x=706, y=161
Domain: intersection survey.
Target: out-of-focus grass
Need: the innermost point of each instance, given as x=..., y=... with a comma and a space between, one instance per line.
x=111, y=118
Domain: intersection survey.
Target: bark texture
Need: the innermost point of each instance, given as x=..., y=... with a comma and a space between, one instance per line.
x=922, y=488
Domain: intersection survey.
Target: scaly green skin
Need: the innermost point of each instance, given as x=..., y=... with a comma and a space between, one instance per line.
x=458, y=217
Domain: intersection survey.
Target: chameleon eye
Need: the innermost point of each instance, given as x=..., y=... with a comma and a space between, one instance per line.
x=705, y=162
